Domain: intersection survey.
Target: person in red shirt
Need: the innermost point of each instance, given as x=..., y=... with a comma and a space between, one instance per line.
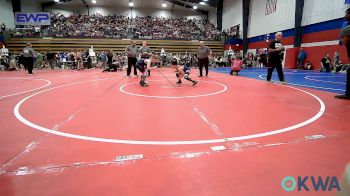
x=237, y=64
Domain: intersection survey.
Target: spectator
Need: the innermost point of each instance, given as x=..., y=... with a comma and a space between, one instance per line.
x=103, y=58
x=51, y=57
x=301, y=58
x=308, y=65
x=38, y=60
x=109, y=58
x=326, y=63
x=249, y=60
x=4, y=65
x=263, y=58
x=79, y=60
x=13, y=64
x=3, y=27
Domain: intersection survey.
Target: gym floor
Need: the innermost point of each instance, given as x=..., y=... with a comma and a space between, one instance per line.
x=93, y=133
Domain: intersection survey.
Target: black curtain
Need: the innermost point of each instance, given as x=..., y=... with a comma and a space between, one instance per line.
x=246, y=4
x=298, y=30
x=16, y=5
x=219, y=11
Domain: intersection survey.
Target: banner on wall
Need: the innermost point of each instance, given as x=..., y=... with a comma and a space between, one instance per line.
x=270, y=6
x=39, y=18
x=347, y=1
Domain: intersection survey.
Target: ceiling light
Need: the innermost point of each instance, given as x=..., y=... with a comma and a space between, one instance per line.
x=93, y=1
x=131, y=4
x=163, y=4
x=57, y=1
x=195, y=7
x=202, y=3
x=205, y=0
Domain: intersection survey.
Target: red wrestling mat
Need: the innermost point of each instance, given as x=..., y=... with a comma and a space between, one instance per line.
x=70, y=131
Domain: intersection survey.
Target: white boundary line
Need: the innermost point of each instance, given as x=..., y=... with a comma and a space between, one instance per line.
x=139, y=142
x=326, y=81
x=302, y=85
x=22, y=92
x=173, y=97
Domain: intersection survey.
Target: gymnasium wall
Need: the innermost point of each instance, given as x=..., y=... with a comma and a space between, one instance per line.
x=232, y=13
x=212, y=17
x=6, y=13
x=123, y=11
x=261, y=24
x=30, y=6
x=316, y=11
x=322, y=21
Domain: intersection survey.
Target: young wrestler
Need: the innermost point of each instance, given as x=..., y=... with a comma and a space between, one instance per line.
x=144, y=65
x=182, y=71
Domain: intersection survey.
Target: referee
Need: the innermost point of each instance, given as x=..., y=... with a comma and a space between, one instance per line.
x=28, y=54
x=203, y=54
x=131, y=51
x=276, y=57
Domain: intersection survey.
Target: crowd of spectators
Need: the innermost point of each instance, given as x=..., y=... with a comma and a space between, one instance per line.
x=327, y=65
x=119, y=27
x=165, y=28
x=93, y=26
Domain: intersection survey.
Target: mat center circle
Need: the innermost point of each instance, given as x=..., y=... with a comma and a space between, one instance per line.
x=165, y=89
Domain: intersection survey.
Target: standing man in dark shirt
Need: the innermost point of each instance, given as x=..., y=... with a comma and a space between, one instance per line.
x=131, y=51
x=203, y=54
x=276, y=57
x=109, y=58
x=28, y=54
x=145, y=52
x=345, y=36
x=326, y=63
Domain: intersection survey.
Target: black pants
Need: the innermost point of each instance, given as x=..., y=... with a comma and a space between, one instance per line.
x=205, y=63
x=29, y=61
x=131, y=62
x=278, y=66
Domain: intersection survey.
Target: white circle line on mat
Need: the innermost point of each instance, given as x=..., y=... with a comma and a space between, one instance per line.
x=173, y=97
x=303, y=85
x=326, y=81
x=144, y=142
x=22, y=92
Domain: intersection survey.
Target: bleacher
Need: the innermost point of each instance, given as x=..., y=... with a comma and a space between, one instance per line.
x=58, y=44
